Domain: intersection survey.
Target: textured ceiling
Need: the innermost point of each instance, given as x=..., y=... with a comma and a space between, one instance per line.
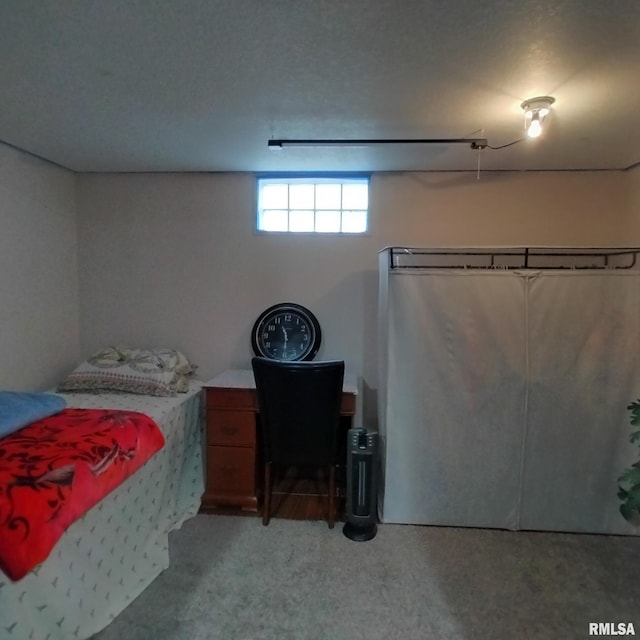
x=201, y=85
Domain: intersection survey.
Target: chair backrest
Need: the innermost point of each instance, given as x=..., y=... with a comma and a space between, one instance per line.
x=299, y=405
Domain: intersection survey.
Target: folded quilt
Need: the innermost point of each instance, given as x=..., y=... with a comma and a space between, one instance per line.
x=54, y=470
x=18, y=409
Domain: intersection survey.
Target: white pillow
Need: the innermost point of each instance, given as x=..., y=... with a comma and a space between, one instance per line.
x=156, y=372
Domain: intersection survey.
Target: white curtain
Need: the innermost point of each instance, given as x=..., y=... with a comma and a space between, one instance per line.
x=584, y=348
x=503, y=397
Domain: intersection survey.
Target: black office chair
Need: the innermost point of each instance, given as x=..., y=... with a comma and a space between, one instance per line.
x=299, y=405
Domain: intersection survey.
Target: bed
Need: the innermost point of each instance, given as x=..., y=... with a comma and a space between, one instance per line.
x=109, y=555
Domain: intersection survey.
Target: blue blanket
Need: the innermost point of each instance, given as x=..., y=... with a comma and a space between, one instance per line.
x=18, y=409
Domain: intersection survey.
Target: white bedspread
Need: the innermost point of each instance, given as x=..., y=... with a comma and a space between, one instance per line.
x=110, y=555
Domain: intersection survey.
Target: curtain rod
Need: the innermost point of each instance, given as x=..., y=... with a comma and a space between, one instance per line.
x=474, y=143
x=526, y=254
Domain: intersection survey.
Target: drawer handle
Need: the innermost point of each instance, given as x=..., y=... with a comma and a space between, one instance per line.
x=229, y=431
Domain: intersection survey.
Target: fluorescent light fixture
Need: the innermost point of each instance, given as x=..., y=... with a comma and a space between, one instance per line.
x=535, y=111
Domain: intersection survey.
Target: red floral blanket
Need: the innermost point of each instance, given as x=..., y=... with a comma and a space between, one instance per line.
x=56, y=469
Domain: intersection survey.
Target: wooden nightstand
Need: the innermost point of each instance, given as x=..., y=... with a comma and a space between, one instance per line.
x=232, y=454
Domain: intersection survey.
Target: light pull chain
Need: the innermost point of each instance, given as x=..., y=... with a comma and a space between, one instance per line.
x=480, y=148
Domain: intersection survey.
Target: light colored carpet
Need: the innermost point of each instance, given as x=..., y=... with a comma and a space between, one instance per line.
x=233, y=579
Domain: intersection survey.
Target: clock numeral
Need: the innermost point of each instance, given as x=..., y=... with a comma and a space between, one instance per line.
x=271, y=327
x=287, y=317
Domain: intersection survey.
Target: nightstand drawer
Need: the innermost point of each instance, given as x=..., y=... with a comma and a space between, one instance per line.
x=231, y=470
x=231, y=428
x=232, y=399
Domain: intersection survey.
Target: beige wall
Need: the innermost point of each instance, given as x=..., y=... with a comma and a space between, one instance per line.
x=633, y=177
x=39, y=325
x=173, y=259
x=519, y=208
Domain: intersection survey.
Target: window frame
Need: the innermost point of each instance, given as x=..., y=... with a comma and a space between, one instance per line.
x=314, y=178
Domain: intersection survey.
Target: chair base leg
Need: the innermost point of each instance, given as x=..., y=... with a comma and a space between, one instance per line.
x=266, y=507
x=332, y=493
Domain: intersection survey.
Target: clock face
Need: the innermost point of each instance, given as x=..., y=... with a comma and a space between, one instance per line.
x=286, y=331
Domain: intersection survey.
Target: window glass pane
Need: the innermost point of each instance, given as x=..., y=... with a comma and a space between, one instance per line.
x=313, y=204
x=354, y=221
x=301, y=196
x=275, y=196
x=354, y=196
x=328, y=221
x=328, y=196
x=300, y=220
x=273, y=220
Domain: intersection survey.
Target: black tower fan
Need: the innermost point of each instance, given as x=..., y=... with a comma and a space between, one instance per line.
x=362, y=462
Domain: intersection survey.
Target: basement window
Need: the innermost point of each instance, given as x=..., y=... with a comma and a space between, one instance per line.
x=313, y=204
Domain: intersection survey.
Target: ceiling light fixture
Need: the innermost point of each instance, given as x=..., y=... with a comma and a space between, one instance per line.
x=474, y=143
x=535, y=111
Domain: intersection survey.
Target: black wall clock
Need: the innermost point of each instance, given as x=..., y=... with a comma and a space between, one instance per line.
x=286, y=331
